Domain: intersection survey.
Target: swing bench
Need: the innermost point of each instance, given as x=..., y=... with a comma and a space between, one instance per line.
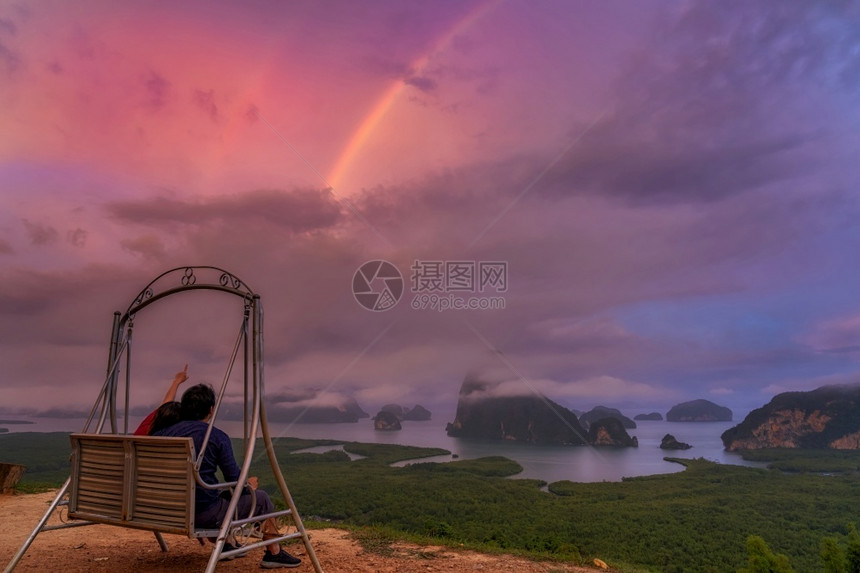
x=148, y=482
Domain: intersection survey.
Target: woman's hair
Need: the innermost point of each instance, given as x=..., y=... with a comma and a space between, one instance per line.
x=165, y=416
x=197, y=401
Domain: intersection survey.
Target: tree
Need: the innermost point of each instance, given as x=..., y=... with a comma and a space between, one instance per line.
x=762, y=559
x=852, y=554
x=833, y=556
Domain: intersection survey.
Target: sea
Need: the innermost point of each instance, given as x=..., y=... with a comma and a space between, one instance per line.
x=547, y=463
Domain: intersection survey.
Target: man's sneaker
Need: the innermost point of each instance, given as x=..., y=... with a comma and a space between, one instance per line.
x=282, y=559
x=231, y=547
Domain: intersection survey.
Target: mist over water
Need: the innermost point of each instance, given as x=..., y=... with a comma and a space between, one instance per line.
x=547, y=463
x=551, y=463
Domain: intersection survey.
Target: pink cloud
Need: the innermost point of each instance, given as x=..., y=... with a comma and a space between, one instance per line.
x=838, y=335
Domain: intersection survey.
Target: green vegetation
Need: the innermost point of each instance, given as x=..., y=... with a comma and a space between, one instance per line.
x=762, y=559
x=490, y=466
x=818, y=461
x=841, y=554
x=696, y=520
x=390, y=453
x=46, y=456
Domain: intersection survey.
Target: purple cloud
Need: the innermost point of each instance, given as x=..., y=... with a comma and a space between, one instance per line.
x=157, y=90
x=297, y=211
x=40, y=234
x=10, y=58
x=205, y=100
x=422, y=83
x=147, y=246
x=715, y=107
x=77, y=237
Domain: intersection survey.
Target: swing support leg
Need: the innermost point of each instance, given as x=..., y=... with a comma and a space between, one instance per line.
x=38, y=528
x=161, y=542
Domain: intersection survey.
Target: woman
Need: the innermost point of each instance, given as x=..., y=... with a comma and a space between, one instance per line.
x=167, y=413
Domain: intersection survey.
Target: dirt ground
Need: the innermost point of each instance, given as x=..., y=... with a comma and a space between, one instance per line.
x=115, y=549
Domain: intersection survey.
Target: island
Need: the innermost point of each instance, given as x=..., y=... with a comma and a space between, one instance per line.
x=308, y=408
x=610, y=432
x=418, y=413
x=652, y=417
x=670, y=443
x=699, y=411
x=386, y=421
x=488, y=412
x=600, y=412
x=12, y=422
x=825, y=418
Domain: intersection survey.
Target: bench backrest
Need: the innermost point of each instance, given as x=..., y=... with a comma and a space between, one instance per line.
x=144, y=482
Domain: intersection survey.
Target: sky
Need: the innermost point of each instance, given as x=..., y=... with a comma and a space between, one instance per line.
x=668, y=191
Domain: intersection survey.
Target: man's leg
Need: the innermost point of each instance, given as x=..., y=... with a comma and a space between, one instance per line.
x=275, y=556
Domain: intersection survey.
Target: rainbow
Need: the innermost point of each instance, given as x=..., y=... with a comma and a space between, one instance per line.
x=370, y=122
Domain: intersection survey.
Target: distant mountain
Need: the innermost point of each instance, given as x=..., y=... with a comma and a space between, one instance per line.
x=484, y=412
x=417, y=414
x=309, y=408
x=600, y=412
x=652, y=417
x=828, y=417
x=699, y=411
x=395, y=409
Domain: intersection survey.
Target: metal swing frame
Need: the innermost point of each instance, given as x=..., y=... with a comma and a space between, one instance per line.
x=114, y=473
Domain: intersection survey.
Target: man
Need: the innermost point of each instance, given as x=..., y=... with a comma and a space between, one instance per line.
x=211, y=507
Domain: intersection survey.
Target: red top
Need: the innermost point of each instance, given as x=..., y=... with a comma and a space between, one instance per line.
x=143, y=428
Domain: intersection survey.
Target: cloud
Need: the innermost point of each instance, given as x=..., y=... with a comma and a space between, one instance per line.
x=721, y=391
x=704, y=201
x=582, y=333
x=811, y=383
x=648, y=173
x=291, y=404
x=85, y=46
x=77, y=237
x=596, y=388
x=714, y=107
x=205, y=101
x=25, y=290
x=7, y=26
x=10, y=58
x=157, y=90
x=297, y=211
x=421, y=83
x=485, y=78
x=839, y=335
x=147, y=246
x=39, y=234
x=309, y=397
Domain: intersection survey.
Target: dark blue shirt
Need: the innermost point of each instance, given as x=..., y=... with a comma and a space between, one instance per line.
x=218, y=455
